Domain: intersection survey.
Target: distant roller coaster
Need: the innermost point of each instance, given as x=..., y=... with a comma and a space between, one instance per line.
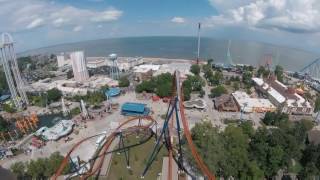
x=312, y=69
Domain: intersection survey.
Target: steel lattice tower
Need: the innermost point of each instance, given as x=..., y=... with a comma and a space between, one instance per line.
x=229, y=57
x=10, y=66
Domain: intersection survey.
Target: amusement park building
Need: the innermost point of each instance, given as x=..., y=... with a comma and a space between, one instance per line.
x=285, y=98
x=248, y=104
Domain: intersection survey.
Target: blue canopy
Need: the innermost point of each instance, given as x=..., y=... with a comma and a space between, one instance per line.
x=4, y=97
x=111, y=92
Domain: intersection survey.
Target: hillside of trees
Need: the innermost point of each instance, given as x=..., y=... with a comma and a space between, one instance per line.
x=244, y=153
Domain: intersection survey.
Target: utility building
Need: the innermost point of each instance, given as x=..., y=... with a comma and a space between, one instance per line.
x=79, y=66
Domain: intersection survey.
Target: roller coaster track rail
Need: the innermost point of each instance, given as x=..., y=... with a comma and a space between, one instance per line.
x=175, y=116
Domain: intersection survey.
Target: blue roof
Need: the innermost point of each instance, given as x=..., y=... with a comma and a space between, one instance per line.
x=113, y=92
x=133, y=107
x=4, y=97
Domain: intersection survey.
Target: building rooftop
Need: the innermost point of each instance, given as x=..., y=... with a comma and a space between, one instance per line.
x=145, y=68
x=282, y=93
x=133, y=107
x=244, y=100
x=111, y=92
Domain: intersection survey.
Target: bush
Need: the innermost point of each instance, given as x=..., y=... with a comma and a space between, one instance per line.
x=75, y=111
x=218, y=91
x=8, y=108
x=124, y=82
x=54, y=95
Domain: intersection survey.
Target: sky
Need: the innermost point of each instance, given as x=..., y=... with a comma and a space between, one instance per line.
x=41, y=23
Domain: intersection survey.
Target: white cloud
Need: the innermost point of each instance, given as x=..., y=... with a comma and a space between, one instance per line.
x=29, y=14
x=77, y=28
x=35, y=23
x=287, y=15
x=107, y=15
x=178, y=20
x=59, y=21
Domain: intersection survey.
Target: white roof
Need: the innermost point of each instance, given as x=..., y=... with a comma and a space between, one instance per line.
x=145, y=68
x=276, y=95
x=258, y=81
x=183, y=68
x=271, y=91
x=244, y=100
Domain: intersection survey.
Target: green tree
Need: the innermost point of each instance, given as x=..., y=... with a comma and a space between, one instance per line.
x=54, y=95
x=210, y=144
x=275, y=118
x=4, y=125
x=18, y=169
x=202, y=93
x=236, y=86
x=95, y=98
x=247, y=128
x=69, y=74
x=75, y=111
x=53, y=163
x=262, y=71
x=217, y=78
x=195, y=69
x=124, y=81
x=210, y=62
x=279, y=73
x=147, y=86
x=246, y=78
x=36, y=168
x=236, y=145
x=218, y=91
x=164, y=90
x=8, y=108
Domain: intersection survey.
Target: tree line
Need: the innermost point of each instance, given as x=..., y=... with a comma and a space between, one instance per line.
x=242, y=152
x=42, y=168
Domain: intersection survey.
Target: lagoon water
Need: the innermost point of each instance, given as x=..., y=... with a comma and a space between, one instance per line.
x=186, y=47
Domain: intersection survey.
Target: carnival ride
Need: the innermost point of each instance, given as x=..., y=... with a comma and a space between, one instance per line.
x=23, y=125
x=170, y=133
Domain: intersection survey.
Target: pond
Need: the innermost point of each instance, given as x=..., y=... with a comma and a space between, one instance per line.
x=50, y=120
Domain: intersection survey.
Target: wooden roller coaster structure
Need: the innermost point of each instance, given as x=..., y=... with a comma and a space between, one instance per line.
x=171, y=129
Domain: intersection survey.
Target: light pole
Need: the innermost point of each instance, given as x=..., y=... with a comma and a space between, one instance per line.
x=242, y=111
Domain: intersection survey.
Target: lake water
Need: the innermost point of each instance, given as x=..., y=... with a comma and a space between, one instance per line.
x=50, y=119
x=186, y=47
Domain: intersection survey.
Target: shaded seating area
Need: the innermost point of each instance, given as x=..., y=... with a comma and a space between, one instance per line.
x=112, y=92
x=134, y=109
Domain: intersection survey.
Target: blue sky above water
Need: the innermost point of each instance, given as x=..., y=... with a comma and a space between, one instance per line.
x=39, y=23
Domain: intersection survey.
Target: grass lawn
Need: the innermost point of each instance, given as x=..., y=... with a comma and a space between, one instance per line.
x=138, y=159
